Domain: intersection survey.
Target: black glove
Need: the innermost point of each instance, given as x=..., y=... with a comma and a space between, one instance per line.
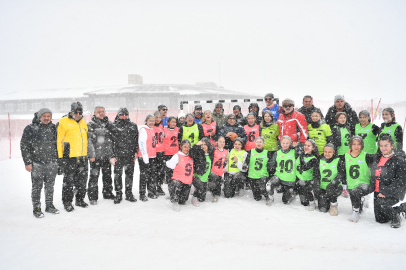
x=62, y=162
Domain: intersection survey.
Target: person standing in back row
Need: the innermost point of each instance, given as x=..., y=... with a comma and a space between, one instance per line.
x=72, y=147
x=271, y=106
x=38, y=150
x=341, y=106
x=308, y=109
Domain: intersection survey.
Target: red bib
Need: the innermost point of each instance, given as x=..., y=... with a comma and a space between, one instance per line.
x=252, y=134
x=218, y=161
x=207, y=129
x=381, y=163
x=159, y=134
x=171, y=144
x=151, y=143
x=184, y=170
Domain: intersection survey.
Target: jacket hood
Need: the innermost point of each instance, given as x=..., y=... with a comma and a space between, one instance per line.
x=121, y=111
x=253, y=105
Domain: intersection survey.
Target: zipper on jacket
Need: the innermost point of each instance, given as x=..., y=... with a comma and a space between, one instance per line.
x=81, y=136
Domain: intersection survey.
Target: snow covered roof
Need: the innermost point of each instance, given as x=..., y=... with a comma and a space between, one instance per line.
x=182, y=89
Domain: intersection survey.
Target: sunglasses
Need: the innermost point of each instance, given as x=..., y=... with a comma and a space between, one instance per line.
x=124, y=114
x=164, y=109
x=287, y=106
x=231, y=118
x=268, y=99
x=78, y=112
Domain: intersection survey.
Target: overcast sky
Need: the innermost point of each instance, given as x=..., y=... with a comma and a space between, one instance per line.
x=290, y=48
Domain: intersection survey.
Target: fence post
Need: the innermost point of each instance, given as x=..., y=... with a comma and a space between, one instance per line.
x=9, y=132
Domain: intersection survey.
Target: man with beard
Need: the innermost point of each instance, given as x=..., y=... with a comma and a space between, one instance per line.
x=341, y=106
x=100, y=139
x=308, y=108
x=198, y=114
x=163, y=110
x=292, y=123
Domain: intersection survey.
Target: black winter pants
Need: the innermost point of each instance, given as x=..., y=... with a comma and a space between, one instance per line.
x=287, y=188
x=231, y=182
x=200, y=188
x=93, y=187
x=168, y=171
x=215, y=184
x=304, y=189
x=43, y=175
x=357, y=193
x=328, y=196
x=179, y=191
x=76, y=171
x=148, y=174
x=258, y=187
x=160, y=168
x=128, y=165
x=383, y=209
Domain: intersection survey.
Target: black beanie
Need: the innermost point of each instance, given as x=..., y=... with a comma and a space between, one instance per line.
x=238, y=107
x=122, y=111
x=76, y=106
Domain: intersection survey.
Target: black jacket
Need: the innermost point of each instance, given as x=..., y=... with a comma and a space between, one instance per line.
x=336, y=134
x=100, y=138
x=392, y=182
x=125, y=138
x=38, y=143
x=199, y=159
x=352, y=118
x=308, y=113
x=239, y=130
x=340, y=178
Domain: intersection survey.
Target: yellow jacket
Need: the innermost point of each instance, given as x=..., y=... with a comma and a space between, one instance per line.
x=74, y=133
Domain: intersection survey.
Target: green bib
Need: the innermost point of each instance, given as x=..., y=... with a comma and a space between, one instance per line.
x=391, y=131
x=191, y=133
x=232, y=166
x=328, y=171
x=369, y=138
x=345, y=141
x=257, y=167
x=285, y=168
x=305, y=175
x=357, y=170
x=270, y=135
x=319, y=135
x=205, y=177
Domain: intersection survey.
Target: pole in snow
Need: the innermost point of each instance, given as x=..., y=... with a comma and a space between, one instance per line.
x=9, y=132
x=377, y=107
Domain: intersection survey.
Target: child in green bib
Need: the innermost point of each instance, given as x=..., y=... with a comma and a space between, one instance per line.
x=305, y=165
x=358, y=174
x=390, y=126
x=283, y=167
x=270, y=132
x=327, y=179
x=200, y=180
x=319, y=131
x=257, y=162
x=342, y=133
x=368, y=132
x=234, y=177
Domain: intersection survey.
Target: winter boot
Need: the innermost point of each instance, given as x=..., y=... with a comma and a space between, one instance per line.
x=118, y=198
x=38, y=213
x=51, y=209
x=396, y=221
x=152, y=196
x=333, y=209
x=269, y=200
x=81, y=204
x=176, y=207
x=215, y=199
x=247, y=186
x=143, y=198
x=355, y=216
x=130, y=197
x=108, y=196
x=68, y=207
x=312, y=206
x=195, y=201
x=93, y=202
x=345, y=193
x=159, y=191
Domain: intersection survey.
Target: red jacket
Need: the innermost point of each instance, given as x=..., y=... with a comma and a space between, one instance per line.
x=293, y=125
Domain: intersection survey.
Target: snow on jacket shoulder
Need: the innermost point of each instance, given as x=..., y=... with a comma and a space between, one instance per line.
x=72, y=134
x=125, y=139
x=352, y=118
x=293, y=125
x=38, y=143
x=100, y=138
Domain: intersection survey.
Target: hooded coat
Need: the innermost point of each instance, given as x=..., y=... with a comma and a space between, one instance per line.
x=38, y=143
x=352, y=118
x=125, y=138
x=220, y=118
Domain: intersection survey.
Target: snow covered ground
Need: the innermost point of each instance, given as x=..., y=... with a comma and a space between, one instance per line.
x=237, y=233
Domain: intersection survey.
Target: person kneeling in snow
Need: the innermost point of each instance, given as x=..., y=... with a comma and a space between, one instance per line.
x=39, y=152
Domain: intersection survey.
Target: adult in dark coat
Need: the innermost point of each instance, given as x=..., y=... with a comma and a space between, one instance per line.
x=39, y=153
x=125, y=149
x=341, y=106
x=230, y=131
x=101, y=141
x=238, y=115
x=308, y=108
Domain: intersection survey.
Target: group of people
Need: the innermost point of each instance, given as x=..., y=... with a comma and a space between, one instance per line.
x=293, y=152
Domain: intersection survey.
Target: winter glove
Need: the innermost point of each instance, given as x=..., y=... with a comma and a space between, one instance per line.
x=62, y=162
